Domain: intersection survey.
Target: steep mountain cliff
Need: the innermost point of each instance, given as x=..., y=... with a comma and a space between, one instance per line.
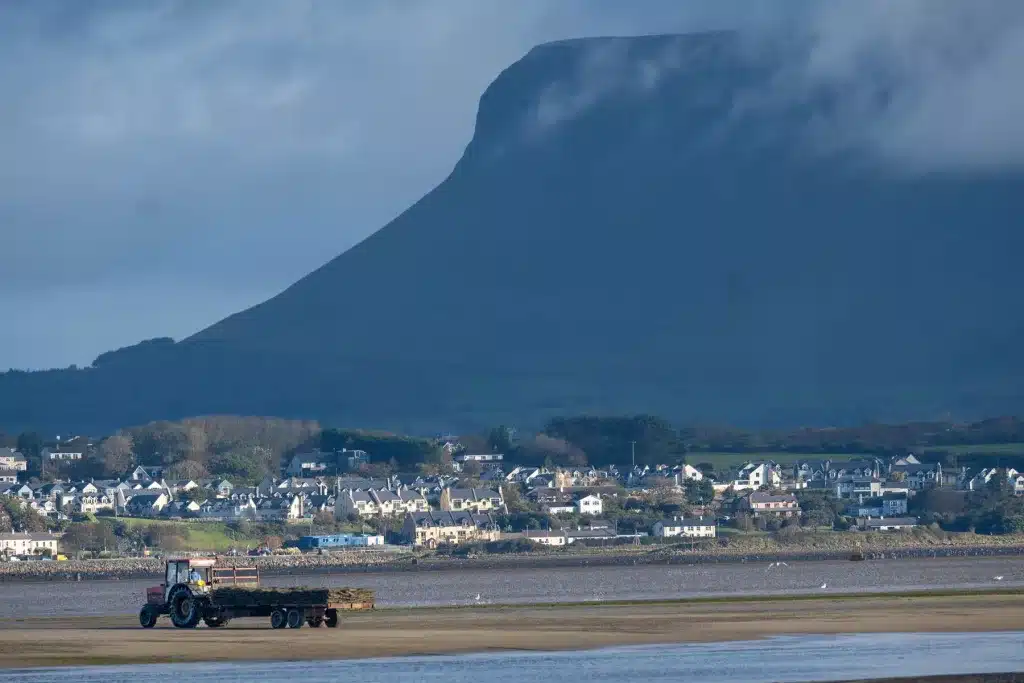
x=638, y=224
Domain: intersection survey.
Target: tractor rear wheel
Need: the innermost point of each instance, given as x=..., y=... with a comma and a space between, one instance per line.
x=184, y=608
x=147, y=616
x=295, y=618
x=331, y=618
x=278, y=618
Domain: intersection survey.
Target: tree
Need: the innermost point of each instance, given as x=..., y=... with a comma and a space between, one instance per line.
x=472, y=469
x=117, y=455
x=500, y=439
x=699, y=492
x=30, y=444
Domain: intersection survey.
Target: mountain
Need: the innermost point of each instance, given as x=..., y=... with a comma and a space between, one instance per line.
x=638, y=225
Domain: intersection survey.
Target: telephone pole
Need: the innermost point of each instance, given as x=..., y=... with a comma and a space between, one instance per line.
x=632, y=449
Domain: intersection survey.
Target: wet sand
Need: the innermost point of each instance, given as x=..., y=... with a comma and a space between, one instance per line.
x=76, y=641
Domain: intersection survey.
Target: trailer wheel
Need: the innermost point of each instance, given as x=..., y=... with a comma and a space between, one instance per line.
x=331, y=618
x=185, y=608
x=294, y=618
x=147, y=616
x=278, y=618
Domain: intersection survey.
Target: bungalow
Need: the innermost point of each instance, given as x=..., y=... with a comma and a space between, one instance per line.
x=8, y=476
x=60, y=454
x=474, y=500
x=437, y=527
x=479, y=457
x=556, y=539
x=887, y=523
x=761, y=504
x=692, y=527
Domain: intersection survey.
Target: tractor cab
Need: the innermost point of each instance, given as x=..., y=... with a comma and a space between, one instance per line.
x=198, y=574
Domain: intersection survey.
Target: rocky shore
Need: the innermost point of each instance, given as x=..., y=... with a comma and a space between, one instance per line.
x=757, y=549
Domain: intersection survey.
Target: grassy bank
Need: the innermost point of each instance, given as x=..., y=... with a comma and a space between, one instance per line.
x=194, y=535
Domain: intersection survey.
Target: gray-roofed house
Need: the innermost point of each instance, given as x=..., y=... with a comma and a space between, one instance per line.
x=686, y=527
x=473, y=500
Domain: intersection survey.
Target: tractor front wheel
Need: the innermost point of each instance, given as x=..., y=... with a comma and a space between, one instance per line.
x=185, y=608
x=147, y=616
x=331, y=618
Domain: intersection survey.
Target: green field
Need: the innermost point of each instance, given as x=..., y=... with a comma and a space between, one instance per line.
x=214, y=536
x=982, y=449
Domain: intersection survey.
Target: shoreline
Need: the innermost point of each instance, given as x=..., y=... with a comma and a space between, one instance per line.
x=90, y=640
x=356, y=562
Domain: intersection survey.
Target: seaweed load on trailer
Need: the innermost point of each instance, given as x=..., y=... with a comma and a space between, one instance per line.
x=231, y=596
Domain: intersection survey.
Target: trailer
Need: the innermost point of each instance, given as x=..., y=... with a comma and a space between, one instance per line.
x=200, y=590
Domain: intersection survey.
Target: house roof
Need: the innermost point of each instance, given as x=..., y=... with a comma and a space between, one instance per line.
x=890, y=521
x=26, y=536
x=443, y=518
x=760, y=497
x=689, y=521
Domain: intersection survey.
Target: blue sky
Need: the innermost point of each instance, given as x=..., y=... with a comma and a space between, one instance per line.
x=167, y=163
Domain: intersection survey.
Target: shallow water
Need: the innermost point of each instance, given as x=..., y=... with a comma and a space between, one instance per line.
x=650, y=582
x=792, y=659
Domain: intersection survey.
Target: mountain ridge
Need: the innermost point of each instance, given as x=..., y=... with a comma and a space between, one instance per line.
x=625, y=232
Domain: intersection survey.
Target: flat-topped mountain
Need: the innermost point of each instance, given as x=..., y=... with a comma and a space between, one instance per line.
x=650, y=224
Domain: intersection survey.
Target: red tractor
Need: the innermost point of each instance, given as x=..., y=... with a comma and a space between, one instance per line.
x=197, y=590
x=185, y=594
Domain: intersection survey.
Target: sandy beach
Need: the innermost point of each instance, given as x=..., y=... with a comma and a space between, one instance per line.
x=76, y=641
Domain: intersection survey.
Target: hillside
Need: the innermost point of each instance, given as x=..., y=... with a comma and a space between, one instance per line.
x=621, y=235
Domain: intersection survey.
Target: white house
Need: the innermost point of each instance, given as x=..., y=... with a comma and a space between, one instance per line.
x=13, y=460
x=888, y=523
x=688, y=472
x=549, y=538
x=590, y=505
x=58, y=454
x=687, y=527
x=22, y=543
x=754, y=475
x=479, y=457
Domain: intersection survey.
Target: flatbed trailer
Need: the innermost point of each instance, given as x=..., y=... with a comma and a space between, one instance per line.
x=189, y=595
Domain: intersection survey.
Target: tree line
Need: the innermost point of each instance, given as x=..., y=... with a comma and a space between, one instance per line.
x=246, y=449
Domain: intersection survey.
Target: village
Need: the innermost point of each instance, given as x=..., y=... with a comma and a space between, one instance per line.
x=484, y=499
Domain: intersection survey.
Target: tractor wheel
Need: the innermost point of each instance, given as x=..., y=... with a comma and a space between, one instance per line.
x=278, y=618
x=147, y=616
x=331, y=618
x=315, y=622
x=294, y=618
x=185, y=608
